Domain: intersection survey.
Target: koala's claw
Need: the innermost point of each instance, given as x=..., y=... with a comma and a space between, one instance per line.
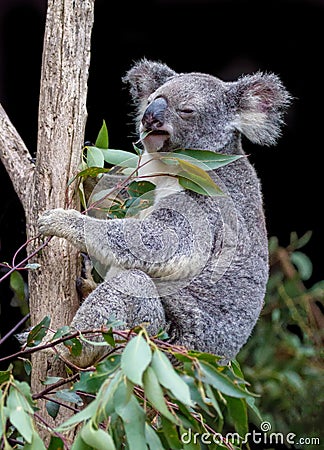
x=47, y=221
x=55, y=222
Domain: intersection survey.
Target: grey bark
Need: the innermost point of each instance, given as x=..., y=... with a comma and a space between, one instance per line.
x=43, y=185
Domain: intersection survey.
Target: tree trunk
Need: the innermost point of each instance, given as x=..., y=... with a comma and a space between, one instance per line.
x=62, y=118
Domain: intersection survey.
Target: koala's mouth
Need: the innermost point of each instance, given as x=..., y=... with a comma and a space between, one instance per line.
x=155, y=139
x=159, y=132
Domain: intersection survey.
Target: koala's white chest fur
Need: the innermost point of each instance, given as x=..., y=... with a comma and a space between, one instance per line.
x=152, y=169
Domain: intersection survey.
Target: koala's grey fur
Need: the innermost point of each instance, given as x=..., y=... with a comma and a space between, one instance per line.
x=194, y=265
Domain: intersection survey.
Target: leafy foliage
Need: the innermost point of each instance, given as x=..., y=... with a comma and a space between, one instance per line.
x=18, y=408
x=140, y=399
x=284, y=357
x=188, y=166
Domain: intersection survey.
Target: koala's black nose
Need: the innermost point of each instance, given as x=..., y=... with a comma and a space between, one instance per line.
x=153, y=117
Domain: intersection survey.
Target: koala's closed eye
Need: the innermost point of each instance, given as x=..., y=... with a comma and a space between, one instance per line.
x=186, y=112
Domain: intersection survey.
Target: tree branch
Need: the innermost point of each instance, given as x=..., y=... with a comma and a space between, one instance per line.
x=16, y=158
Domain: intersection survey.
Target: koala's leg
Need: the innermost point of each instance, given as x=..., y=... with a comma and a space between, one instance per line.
x=131, y=297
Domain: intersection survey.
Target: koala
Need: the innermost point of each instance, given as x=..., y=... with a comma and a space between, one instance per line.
x=192, y=264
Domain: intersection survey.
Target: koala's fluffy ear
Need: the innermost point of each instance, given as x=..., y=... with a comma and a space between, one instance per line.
x=145, y=77
x=260, y=101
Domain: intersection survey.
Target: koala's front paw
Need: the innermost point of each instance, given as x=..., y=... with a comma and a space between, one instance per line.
x=57, y=222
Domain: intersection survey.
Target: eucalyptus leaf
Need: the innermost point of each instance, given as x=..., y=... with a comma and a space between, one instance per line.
x=138, y=150
x=123, y=394
x=120, y=158
x=106, y=396
x=109, y=337
x=4, y=376
x=143, y=135
x=102, y=140
x=108, y=365
x=17, y=285
x=22, y=421
x=95, y=157
x=20, y=397
x=36, y=443
x=303, y=263
x=220, y=381
x=136, y=357
x=237, y=410
x=196, y=393
x=252, y=406
x=63, y=331
x=133, y=417
x=81, y=416
x=27, y=366
x=56, y=443
x=154, y=394
x=205, y=159
x=117, y=430
x=152, y=438
x=90, y=382
x=97, y=438
x=52, y=408
x=69, y=396
x=297, y=242
x=196, y=179
x=37, y=333
x=214, y=402
x=192, y=186
x=51, y=380
x=138, y=188
x=317, y=289
x=273, y=244
x=4, y=414
x=82, y=194
x=79, y=444
x=89, y=172
x=170, y=433
x=203, y=356
x=169, y=378
x=74, y=345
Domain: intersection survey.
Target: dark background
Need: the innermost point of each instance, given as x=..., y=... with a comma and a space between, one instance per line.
x=225, y=38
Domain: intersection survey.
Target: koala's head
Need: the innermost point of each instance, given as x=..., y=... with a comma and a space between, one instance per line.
x=195, y=110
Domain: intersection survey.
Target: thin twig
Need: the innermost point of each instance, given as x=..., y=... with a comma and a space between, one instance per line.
x=13, y=263
x=55, y=386
x=6, y=275
x=6, y=336
x=50, y=399
x=75, y=334
x=47, y=425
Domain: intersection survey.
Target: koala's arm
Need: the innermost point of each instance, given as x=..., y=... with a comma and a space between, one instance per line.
x=68, y=224
x=161, y=245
